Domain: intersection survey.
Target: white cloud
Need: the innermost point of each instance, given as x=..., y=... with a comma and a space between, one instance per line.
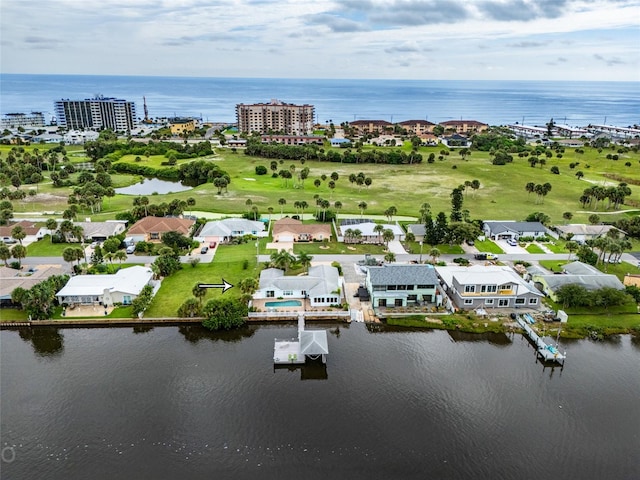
x=340, y=39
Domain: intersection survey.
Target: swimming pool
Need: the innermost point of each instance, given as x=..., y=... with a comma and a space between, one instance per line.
x=284, y=303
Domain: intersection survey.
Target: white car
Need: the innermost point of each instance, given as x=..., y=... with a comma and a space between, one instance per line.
x=512, y=242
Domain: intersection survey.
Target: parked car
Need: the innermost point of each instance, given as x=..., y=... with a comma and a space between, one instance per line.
x=471, y=243
x=204, y=249
x=485, y=256
x=130, y=249
x=9, y=240
x=212, y=245
x=512, y=242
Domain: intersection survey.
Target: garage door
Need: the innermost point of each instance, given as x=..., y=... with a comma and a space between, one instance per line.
x=285, y=238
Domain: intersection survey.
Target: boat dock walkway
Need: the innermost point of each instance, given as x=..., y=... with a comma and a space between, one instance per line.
x=545, y=351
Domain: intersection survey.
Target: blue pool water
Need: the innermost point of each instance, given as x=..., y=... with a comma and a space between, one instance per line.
x=284, y=303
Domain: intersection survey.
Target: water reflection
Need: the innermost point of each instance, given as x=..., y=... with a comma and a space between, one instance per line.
x=149, y=186
x=311, y=370
x=500, y=339
x=195, y=333
x=142, y=329
x=46, y=341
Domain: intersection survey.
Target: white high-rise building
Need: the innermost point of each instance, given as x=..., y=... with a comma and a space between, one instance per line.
x=96, y=113
x=275, y=117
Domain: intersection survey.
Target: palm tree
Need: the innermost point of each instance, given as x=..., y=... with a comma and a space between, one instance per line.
x=5, y=252
x=379, y=228
x=199, y=293
x=121, y=256
x=304, y=259
x=303, y=206
x=362, y=206
x=387, y=236
x=434, y=253
x=18, y=233
x=282, y=259
x=248, y=285
x=51, y=225
x=357, y=235
x=248, y=203
x=282, y=202
x=348, y=235
x=571, y=246
x=337, y=205
x=390, y=257
x=19, y=252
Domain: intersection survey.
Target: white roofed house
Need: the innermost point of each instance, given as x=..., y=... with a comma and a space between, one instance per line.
x=99, y=231
x=502, y=230
x=321, y=287
x=122, y=287
x=481, y=286
x=222, y=231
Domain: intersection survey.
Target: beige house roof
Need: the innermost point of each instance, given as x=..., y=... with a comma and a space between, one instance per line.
x=291, y=225
x=161, y=225
x=631, y=279
x=30, y=228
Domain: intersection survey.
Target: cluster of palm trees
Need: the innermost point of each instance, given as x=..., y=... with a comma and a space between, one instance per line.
x=354, y=235
x=596, y=193
x=541, y=190
x=284, y=260
x=18, y=251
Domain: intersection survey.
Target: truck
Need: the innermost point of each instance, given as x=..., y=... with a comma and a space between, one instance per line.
x=485, y=256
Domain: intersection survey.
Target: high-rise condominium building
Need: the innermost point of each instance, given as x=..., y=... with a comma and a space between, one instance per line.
x=15, y=120
x=96, y=113
x=275, y=117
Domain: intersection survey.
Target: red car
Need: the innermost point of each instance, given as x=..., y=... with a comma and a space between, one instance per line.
x=212, y=245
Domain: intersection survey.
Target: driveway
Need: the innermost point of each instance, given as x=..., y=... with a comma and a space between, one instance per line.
x=395, y=246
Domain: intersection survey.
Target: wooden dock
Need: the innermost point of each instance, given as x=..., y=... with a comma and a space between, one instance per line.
x=545, y=351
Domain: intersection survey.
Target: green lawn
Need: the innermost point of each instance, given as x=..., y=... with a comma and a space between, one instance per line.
x=13, y=315
x=44, y=248
x=488, y=246
x=430, y=183
x=533, y=248
x=228, y=264
x=554, y=265
x=557, y=246
x=321, y=248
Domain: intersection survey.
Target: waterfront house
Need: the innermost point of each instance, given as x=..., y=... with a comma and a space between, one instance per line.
x=151, y=229
x=492, y=286
x=224, y=230
x=505, y=230
x=122, y=287
x=402, y=285
x=321, y=286
x=10, y=279
x=577, y=273
x=291, y=230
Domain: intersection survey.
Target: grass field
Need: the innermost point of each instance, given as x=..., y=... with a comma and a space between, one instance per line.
x=229, y=264
x=502, y=194
x=533, y=248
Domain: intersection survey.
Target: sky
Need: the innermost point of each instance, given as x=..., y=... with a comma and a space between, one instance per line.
x=596, y=40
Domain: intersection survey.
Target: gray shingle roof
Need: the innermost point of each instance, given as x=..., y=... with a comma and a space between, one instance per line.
x=497, y=227
x=403, y=275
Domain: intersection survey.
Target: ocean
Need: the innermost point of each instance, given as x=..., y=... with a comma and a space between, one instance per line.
x=214, y=99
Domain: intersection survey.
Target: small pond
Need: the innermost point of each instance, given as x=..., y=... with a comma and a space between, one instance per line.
x=150, y=185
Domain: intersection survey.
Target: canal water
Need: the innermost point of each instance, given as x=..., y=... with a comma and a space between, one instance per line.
x=180, y=402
